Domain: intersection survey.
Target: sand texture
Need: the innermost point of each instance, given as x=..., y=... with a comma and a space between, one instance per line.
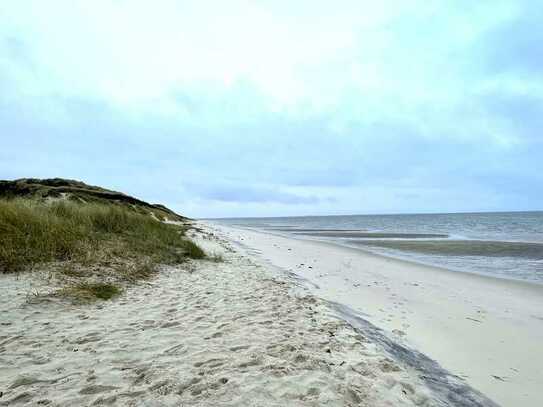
x=233, y=333
x=485, y=330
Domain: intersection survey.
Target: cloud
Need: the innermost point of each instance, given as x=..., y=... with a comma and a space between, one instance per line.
x=515, y=46
x=274, y=108
x=241, y=194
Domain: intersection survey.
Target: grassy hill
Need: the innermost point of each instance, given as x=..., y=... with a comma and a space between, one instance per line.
x=77, y=191
x=91, y=241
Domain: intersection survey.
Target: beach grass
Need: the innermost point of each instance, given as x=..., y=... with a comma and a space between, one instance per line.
x=102, y=291
x=89, y=240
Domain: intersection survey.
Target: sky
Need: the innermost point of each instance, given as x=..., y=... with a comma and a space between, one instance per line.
x=277, y=108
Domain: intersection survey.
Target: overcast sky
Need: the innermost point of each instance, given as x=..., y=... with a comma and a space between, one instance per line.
x=270, y=108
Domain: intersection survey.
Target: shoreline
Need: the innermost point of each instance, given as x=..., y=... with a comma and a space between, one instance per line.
x=474, y=325
x=434, y=267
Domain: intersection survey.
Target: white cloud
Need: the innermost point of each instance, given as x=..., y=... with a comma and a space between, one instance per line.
x=131, y=52
x=274, y=98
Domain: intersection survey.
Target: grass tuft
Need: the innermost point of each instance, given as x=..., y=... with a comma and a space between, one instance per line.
x=89, y=292
x=193, y=251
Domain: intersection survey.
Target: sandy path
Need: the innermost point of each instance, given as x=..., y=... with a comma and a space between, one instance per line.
x=488, y=331
x=209, y=334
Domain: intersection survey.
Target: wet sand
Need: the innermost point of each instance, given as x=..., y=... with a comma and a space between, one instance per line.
x=365, y=235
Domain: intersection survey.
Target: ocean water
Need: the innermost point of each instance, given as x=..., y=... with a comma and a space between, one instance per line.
x=506, y=244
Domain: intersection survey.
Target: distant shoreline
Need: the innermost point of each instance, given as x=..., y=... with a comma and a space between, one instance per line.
x=372, y=214
x=507, y=245
x=399, y=258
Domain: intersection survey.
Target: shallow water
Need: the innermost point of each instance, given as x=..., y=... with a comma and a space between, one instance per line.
x=506, y=244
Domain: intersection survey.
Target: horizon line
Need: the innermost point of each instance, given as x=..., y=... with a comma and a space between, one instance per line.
x=376, y=214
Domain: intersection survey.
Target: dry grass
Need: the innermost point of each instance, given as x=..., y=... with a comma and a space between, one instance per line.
x=108, y=243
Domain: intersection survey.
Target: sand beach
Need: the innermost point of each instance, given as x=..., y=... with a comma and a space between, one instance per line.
x=235, y=332
x=488, y=331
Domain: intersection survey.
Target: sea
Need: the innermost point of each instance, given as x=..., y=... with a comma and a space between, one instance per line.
x=499, y=244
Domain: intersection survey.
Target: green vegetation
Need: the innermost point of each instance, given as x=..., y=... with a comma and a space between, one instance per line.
x=193, y=251
x=76, y=191
x=96, y=290
x=89, y=242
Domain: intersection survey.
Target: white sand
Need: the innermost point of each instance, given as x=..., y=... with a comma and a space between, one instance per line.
x=205, y=334
x=488, y=331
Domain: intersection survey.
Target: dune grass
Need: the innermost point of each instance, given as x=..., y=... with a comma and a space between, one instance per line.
x=91, y=291
x=128, y=244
